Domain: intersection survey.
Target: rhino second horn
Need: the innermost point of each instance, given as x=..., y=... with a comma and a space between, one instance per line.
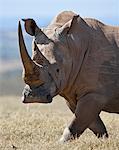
x=42, y=60
x=26, y=59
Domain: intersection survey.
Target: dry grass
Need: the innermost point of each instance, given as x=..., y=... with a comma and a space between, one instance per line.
x=39, y=127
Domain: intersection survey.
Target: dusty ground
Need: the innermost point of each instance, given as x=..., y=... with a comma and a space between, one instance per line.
x=39, y=127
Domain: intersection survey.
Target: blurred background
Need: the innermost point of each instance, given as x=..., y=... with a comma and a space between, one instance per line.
x=11, y=11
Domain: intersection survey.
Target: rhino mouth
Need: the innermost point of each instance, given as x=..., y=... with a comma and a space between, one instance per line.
x=31, y=99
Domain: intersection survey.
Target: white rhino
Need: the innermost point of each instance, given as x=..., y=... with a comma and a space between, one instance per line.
x=78, y=59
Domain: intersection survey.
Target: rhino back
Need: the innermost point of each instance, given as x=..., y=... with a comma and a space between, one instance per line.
x=110, y=32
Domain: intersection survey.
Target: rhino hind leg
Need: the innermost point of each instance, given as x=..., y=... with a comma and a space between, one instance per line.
x=98, y=128
x=87, y=110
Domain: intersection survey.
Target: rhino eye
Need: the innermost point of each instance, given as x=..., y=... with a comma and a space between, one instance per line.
x=57, y=70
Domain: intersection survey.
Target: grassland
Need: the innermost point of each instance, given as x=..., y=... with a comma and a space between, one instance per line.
x=39, y=127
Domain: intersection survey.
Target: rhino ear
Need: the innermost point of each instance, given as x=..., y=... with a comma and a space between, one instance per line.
x=69, y=26
x=74, y=23
x=30, y=26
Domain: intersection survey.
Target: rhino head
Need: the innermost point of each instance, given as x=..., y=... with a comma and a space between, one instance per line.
x=46, y=74
x=41, y=86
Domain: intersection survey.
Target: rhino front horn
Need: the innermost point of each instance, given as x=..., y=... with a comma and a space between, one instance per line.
x=26, y=59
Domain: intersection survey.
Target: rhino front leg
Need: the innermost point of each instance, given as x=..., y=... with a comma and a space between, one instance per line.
x=98, y=128
x=87, y=110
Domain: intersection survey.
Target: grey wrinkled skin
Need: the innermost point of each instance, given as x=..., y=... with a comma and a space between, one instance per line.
x=42, y=93
x=77, y=58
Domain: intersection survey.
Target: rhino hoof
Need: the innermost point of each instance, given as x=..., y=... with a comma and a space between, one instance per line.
x=66, y=136
x=62, y=140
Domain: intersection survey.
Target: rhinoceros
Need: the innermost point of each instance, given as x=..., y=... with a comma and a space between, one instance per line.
x=78, y=59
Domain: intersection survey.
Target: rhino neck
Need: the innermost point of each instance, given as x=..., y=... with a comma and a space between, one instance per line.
x=77, y=52
x=78, y=46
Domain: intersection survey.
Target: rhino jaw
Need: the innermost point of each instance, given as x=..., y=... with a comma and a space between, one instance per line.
x=30, y=99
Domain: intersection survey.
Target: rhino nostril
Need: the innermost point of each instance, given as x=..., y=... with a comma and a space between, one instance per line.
x=49, y=97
